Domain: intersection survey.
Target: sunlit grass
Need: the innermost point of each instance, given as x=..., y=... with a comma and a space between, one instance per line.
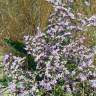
x=21, y=17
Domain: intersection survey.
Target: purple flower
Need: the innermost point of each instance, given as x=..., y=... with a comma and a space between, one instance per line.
x=92, y=21
x=93, y=83
x=6, y=57
x=12, y=87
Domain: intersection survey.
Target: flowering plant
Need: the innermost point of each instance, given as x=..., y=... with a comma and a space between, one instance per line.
x=62, y=62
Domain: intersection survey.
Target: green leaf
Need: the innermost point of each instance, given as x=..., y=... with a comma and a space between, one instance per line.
x=4, y=82
x=18, y=46
x=31, y=63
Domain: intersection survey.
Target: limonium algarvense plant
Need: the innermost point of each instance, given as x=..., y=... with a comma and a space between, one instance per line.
x=60, y=58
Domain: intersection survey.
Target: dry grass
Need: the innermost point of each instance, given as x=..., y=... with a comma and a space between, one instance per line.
x=20, y=17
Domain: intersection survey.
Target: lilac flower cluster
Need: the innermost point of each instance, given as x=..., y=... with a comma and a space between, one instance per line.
x=58, y=56
x=18, y=77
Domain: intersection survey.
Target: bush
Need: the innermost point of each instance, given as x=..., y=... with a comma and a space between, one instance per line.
x=62, y=64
